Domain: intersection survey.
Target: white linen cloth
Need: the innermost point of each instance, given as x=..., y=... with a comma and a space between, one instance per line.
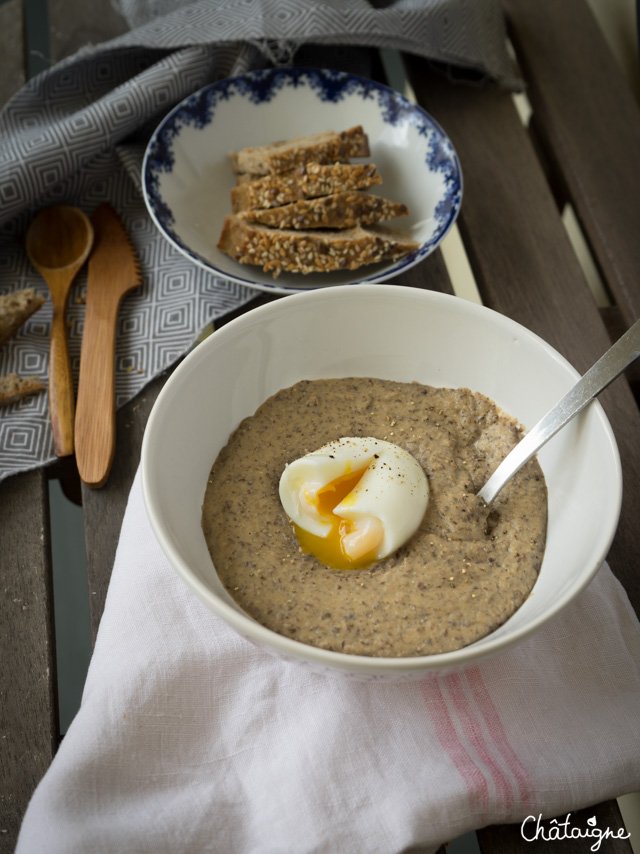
x=190, y=739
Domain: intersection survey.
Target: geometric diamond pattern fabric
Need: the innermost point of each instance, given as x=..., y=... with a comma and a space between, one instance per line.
x=76, y=134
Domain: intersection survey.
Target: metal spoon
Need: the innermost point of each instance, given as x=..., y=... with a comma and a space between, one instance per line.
x=58, y=243
x=618, y=357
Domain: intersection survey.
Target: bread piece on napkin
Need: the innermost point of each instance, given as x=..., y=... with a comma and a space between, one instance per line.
x=16, y=309
x=339, y=210
x=305, y=182
x=324, y=147
x=314, y=251
x=13, y=388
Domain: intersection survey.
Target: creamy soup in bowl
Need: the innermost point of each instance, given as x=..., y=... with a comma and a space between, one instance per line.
x=458, y=576
x=398, y=335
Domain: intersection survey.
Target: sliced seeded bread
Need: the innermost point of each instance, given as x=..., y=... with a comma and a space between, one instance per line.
x=340, y=210
x=13, y=388
x=16, y=309
x=313, y=251
x=324, y=147
x=305, y=182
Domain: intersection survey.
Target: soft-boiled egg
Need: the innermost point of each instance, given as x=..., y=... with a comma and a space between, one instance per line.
x=354, y=500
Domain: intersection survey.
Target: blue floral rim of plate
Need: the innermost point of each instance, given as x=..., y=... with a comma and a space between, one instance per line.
x=261, y=87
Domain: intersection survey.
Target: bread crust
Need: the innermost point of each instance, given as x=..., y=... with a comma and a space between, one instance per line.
x=14, y=388
x=15, y=309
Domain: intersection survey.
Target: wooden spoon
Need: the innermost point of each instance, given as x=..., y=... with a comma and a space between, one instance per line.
x=58, y=243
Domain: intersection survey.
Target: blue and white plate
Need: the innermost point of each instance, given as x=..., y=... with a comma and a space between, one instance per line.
x=187, y=175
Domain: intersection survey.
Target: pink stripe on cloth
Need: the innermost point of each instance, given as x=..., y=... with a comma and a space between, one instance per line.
x=468, y=720
x=498, y=736
x=469, y=728
x=446, y=732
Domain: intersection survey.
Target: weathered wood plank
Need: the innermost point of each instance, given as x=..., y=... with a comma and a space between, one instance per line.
x=12, y=58
x=28, y=701
x=75, y=24
x=593, y=140
x=524, y=264
x=431, y=274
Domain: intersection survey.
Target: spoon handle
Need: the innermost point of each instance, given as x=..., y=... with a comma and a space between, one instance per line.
x=61, y=392
x=597, y=378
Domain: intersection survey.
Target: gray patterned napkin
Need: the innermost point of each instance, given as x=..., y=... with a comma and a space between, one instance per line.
x=76, y=135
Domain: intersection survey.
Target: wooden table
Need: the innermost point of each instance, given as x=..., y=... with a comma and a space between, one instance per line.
x=581, y=146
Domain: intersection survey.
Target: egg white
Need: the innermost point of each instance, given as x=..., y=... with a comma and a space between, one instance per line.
x=386, y=504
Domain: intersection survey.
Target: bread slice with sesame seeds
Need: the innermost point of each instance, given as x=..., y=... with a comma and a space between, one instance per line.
x=324, y=147
x=339, y=210
x=14, y=388
x=310, y=251
x=308, y=181
x=15, y=309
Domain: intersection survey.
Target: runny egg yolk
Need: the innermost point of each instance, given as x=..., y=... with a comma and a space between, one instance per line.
x=354, y=501
x=347, y=545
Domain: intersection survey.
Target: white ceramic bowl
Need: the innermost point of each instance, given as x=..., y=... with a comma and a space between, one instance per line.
x=187, y=175
x=402, y=334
